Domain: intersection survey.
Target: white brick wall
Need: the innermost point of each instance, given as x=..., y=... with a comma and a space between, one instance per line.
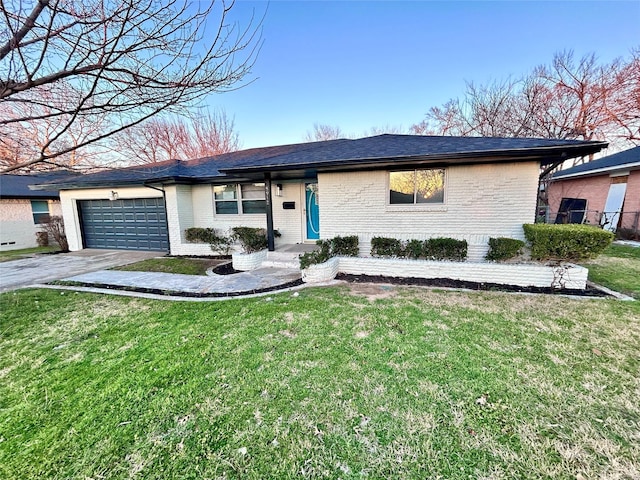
x=290, y=223
x=192, y=206
x=17, y=229
x=567, y=276
x=481, y=201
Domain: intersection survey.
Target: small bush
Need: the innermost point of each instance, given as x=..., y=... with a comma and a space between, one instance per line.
x=251, y=239
x=503, y=248
x=628, y=234
x=445, y=249
x=317, y=256
x=54, y=228
x=413, y=249
x=42, y=238
x=344, y=246
x=200, y=235
x=566, y=242
x=386, y=247
x=221, y=244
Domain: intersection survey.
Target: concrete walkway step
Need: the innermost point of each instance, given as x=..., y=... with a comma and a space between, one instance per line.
x=288, y=260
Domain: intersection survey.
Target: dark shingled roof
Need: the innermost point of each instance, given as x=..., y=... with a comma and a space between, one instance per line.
x=617, y=161
x=17, y=186
x=342, y=154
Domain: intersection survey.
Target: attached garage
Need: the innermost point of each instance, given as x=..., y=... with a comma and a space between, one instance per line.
x=128, y=224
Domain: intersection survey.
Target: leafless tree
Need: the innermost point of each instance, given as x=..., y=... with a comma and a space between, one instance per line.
x=580, y=99
x=387, y=129
x=322, y=132
x=160, y=138
x=127, y=59
x=25, y=140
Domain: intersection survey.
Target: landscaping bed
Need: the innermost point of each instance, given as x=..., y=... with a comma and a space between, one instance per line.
x=462, y=284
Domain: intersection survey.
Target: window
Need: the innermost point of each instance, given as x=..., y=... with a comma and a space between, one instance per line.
x=416, y=187
x=235, y=199
x=40, y=210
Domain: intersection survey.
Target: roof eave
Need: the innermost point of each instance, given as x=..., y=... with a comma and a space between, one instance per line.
x=598, y=171
x=546, y=154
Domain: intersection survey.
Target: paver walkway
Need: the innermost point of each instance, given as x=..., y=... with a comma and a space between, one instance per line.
x=259, y=279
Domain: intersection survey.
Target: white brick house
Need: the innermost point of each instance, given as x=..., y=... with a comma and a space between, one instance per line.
x=401, y=186
x=22, y=210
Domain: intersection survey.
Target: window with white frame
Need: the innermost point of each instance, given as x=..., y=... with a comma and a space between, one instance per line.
x=239, y=199
x=414, y=187
x=40, y=211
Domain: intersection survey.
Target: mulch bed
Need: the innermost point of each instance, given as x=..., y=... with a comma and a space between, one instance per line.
x=225, y=269
x=449, y=283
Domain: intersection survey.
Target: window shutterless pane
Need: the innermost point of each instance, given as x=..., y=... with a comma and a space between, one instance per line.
x=225, y=192
x=252, y=191
x=402, y=187
x=40, y=217
x=226, y=208
x=254, y=206
x=40, y=210
x=430, y=186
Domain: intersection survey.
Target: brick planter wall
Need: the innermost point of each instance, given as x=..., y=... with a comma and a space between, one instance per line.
x=321, y=272
x=248, y=261
x=564, y=276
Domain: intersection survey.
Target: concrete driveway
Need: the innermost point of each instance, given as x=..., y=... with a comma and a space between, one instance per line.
x=46, y=268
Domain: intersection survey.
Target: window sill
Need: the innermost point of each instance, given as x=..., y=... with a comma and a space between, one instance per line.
x=228, y=215
x=416, y=208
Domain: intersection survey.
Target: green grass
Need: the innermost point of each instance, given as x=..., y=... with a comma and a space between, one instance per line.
x=617, y=268
x=347, y=382
x=186, y=266
x=16, y=254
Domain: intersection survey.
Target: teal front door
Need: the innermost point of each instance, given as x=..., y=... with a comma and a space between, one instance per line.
x=313, y=212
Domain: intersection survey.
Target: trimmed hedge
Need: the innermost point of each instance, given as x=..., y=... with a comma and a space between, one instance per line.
x=386, y=247
x=503, y=248
x=445, y=249
x=414, y=249
x=218, y=243
x=251, y=239
x=343, y=246
x=200, y=235
x=566, y=242
x=432, y=249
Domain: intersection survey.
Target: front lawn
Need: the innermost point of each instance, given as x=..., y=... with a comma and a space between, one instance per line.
x=618, y=268
x=358, y=381
x=183, y=265
x=7, y=255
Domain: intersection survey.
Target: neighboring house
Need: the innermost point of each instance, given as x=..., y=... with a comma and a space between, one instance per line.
x=22, y=210
x=401, y=186
x=603, y=192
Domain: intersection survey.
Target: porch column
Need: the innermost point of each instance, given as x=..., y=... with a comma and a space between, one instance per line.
x=267, y=197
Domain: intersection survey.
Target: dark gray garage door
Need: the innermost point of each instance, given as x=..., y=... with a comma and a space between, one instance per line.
x=132, y=224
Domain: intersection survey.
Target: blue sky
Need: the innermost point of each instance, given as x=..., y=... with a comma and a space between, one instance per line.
x=367, y=64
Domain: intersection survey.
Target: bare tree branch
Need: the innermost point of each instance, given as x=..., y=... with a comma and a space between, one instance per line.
x=127, y=60
x=161, y=139
x=566, y=99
